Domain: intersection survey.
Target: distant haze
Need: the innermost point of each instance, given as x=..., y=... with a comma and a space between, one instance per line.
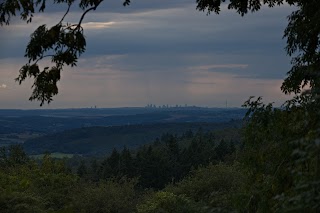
x=159, y=54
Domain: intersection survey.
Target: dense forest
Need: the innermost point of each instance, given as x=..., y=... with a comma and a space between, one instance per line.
x=101, y=140
x=124, y=181
x=270, y=165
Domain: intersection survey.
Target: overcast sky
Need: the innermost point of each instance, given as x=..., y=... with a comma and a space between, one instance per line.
x=159, y=52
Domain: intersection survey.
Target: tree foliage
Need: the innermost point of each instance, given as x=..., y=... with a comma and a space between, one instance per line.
x=302, y=34
x=169, y=203
x=48, y=186
x=281, y=153
x=214, y=187
x=107, y=196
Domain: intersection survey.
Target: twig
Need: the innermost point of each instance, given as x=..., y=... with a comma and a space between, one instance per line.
x=44, y=56
x=83, y=15
x=69, y=5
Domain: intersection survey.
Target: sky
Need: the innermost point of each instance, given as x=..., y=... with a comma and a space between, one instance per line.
x=157, y=52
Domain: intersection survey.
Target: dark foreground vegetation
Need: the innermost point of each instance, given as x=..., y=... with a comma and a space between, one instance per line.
x=272, y=167
x=125, y=181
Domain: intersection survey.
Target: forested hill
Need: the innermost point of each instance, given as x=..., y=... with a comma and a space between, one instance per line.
x=50, y=121
x=101, y=140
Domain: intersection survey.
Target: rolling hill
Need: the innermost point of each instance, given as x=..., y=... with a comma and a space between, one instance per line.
x=101, y=140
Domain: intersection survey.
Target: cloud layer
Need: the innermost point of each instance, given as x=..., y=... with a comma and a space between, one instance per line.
x=159, y=52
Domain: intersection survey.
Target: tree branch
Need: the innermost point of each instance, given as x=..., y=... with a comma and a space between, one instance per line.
x=88, y=10
x=69, y=5
x=44, y=56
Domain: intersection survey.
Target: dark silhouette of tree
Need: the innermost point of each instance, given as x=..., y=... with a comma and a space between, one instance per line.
x=114, y=162
x=104, y=170
x=16, y=155
x=82, y=170
x=126, y=163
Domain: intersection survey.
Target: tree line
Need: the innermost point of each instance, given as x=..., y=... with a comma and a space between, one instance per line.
x=169, y=159
x=122, y=182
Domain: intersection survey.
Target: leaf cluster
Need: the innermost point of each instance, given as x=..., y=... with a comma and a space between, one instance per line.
x=281, y=153
x=63, y=43
x=303, y=43
x=241, y=6
x=66, y=43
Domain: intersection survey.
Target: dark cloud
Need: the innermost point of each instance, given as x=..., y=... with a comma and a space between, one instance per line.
x=161, y=52
x=117, y=6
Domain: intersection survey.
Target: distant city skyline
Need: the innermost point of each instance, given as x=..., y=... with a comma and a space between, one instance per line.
x=166, y=53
